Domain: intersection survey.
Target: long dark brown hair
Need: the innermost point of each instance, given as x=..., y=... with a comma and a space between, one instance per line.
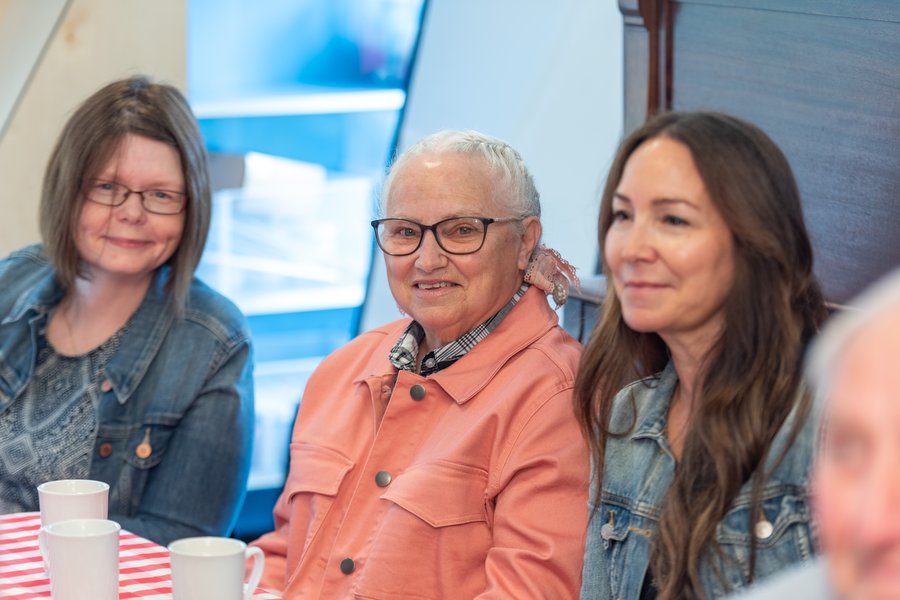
x=752, y=373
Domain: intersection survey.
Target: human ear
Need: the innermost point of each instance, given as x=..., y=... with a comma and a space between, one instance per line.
x=531, y=235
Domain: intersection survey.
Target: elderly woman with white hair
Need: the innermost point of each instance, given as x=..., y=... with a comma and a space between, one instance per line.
x=439, y=456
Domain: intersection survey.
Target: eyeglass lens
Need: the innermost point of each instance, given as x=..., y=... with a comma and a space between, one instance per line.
x=459, y=235
x=110, y=193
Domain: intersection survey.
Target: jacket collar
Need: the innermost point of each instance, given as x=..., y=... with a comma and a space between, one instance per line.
x=146, y=331
x=653, y=408
x=653, y=397
x=39, y=299
x=530, y=319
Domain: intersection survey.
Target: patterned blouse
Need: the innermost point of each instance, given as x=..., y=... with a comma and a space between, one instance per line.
x=49, y=432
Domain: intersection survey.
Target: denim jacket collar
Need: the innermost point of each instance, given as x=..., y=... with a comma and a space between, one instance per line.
x=129, y=365
x=654, y=415
x=653, y=400
x=151, y=322
x=16, y=351
x=36, y=301
x=637, y=477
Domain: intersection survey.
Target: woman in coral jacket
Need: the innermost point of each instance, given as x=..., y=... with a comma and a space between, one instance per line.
x=439, y=456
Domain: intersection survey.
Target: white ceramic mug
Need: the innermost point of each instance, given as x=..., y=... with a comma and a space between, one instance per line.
x=84, y=554
x=212, y=568
x=66, y=499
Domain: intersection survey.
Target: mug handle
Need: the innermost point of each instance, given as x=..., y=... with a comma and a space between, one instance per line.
x=259, y=564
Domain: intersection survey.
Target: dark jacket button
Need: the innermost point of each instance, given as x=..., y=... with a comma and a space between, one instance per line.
x=347, y=566
x=382, y=478
x=417, y=392
x=105, y=450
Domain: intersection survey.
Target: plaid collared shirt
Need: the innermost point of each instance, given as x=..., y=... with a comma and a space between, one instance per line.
x=403, y=354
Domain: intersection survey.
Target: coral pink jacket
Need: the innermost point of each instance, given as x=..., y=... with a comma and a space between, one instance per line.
x=473, y=483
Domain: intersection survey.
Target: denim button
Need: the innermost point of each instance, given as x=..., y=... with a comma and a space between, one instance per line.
x=417, y=392
x=143, y=451
x=106, y=385
x=606, y=531
x=382, y=478
x=347, y=566
x=763, y=529
x=105, y=450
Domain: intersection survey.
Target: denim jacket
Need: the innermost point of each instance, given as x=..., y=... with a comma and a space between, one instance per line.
x=638, y=471
x=184, y=385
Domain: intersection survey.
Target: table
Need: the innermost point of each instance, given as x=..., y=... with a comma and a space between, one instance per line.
x=144, y=568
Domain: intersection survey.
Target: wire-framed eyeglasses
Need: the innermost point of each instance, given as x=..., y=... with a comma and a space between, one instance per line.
x=113, y=193
x=456, y=235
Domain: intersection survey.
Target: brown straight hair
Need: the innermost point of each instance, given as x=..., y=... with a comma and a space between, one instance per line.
x=752, y=372
x=90, y=137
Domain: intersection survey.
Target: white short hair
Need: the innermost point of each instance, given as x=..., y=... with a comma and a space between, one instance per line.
x=824, y=357
x=501, y=159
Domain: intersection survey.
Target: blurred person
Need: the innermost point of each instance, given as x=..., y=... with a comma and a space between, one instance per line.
x=438, y=456
x=856, y=482
x=116, y=364
x=852, y=370
x=689, y=390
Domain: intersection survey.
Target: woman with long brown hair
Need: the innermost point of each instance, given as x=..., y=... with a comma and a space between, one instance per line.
x=689, y=389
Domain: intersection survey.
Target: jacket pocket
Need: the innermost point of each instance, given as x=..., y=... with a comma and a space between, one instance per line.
x=435, y=534
x=613, y=523
x=441, y=494
x=128, y=456
x=781, y=534
x=315, y=477
x=624, y=540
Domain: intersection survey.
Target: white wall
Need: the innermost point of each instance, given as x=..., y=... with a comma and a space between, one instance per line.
x=97, y=41
x=25, y=30
x=545, y=76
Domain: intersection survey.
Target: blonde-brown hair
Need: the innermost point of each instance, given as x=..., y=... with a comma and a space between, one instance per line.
x=90, y=137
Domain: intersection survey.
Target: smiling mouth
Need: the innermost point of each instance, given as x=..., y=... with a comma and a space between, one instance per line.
x=125, y=241
x=434, y=286
x=643, y=285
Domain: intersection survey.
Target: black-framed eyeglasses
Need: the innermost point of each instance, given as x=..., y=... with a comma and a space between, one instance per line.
x=113, y=193
x=456, y=235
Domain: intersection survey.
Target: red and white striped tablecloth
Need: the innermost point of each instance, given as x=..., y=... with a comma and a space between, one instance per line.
x=144, y=568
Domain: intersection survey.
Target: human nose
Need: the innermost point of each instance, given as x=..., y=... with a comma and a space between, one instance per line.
x=430, y=255
x=637, y=242
x=131, y=210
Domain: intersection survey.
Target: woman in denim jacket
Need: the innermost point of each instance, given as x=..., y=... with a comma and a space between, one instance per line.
x=689, y=390
x=116, y=364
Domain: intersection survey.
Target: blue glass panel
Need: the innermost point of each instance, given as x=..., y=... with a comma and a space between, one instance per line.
x=304, y=95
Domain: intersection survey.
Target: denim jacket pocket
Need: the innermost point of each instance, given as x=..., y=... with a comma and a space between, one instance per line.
x=140, y=449
x=614, y=523
x=315, y=477
x=781, y=534
x=623, y=536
